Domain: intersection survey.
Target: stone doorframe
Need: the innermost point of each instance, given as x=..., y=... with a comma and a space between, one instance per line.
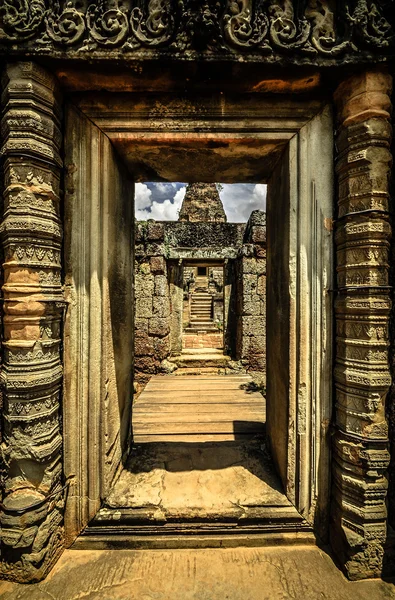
x=294, y=151
x=32, y=533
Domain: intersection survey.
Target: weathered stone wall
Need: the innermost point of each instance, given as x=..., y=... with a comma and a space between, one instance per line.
x=251, y=296
x=152, y=300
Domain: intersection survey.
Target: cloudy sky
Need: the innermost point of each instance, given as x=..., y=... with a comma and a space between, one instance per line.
x=162, y=201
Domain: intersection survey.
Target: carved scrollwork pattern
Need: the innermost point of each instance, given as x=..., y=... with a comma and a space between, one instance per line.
x=65, y=27
x=108, y=27
x=318, y=29
x=153, y=26
x=323, y=29
x=20, y=19
x=243, y=28
x=285, y=32
x=371, y=26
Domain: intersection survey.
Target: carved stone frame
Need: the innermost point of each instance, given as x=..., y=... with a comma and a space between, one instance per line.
x=306, y=170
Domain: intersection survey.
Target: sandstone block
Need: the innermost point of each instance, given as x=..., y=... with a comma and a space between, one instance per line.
x=257, y=362
x=158, y=264
x=161, y=306
x=257, y=344
x=144, y=268
x=144, y=346
x=253, y=326
x=158, y=326
x=252, y=308
x=143, y=307
x=161, y=285
x=155, y=231
x=258, y=235
x=363, y=96
x=260, y=252
x=261, y=287
x=249, y=265
x=140, y=231
x=250, y=283
x=162, y=347
x=146, y=364
x=141, y=327
x=144, y=285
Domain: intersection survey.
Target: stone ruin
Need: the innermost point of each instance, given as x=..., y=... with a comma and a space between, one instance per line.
x=168, y=258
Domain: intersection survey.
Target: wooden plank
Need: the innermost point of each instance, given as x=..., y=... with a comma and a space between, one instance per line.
x=196, y=427
x=201, y=407
x=239, y=399
x=248, y=416
x=158, y=387
x=191, y=438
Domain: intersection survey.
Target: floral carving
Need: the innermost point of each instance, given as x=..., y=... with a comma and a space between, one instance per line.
x=315, y=28
x=107, y=27
x=371, y=26
x=284, y=31
x=65, y=27
x=242, y=29
x=323, y=34
x=20, y=19
x=154, y=26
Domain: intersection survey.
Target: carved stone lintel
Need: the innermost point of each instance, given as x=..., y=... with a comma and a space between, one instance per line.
x=32, y=511
x=363, y=305
x=317, y=29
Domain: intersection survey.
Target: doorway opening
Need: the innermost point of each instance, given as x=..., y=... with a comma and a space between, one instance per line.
x=204, y=307
x=293, y=154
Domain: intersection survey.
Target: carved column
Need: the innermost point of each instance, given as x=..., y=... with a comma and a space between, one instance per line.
x=32, y=505
x=362, y=379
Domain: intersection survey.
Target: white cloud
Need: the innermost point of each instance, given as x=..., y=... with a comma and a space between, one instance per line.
x=161, y=211
x=240, y=200
x=142, y=196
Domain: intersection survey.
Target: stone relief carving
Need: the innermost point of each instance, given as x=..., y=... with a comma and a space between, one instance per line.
x=362, y=311
x=154, y=25
x=65, y=27
x=31, y=512
x=315, y=28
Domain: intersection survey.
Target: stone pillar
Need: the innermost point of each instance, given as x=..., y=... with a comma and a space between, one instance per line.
x=32, y=505
x=360, y=442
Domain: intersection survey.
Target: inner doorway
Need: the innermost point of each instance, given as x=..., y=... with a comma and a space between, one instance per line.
x=203, y=306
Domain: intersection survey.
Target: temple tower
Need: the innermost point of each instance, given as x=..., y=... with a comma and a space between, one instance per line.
x=202, y=203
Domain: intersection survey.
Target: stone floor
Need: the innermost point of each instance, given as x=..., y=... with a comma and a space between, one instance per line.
x=199, y=481
x=286, y=573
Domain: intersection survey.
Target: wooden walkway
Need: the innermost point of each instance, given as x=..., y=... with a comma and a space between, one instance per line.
x=198, y=408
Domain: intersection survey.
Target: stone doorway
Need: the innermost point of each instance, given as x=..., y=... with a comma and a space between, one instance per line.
x=204, y=308
x=282, y=151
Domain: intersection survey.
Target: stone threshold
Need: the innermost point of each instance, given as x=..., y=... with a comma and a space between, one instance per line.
x=278, y=528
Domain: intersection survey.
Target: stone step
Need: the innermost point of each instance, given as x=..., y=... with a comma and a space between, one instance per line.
x=201, y=359
x=198, y=329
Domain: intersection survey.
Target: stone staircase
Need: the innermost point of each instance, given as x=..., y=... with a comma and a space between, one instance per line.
x=201, y=312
